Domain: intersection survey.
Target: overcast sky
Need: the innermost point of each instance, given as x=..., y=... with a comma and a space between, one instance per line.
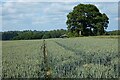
x=41, y=15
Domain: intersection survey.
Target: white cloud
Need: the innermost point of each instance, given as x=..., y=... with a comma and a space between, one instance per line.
x=42, y=1
x=117, y=18
x=19, y=10
x=7, y=4
x=9, y=7
x=109, y=8
x=47, y=19
x=41, y=20
x=60, y=0
x=10, y=10
x=0, y=10
x=59, y=8
x=52, y=13
x=0, y=24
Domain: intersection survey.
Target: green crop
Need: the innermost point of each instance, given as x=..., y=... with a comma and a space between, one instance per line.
x=85, y=57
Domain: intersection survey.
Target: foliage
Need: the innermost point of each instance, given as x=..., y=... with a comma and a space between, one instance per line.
x=87, y=19
x=114, y=32
x=28, y=34
x=9, y=35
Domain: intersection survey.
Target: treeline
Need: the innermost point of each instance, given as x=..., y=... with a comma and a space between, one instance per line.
x=115, y=32
x=28, y=34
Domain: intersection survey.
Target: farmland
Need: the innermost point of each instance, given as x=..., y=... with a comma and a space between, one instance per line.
x=84, y=57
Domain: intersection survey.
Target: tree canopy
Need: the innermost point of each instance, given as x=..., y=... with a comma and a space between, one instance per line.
x=87, y=19
x=28, y=34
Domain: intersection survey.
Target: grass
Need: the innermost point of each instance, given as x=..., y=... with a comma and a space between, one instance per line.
x=81, y=57
x=21, y=58
x=87, y=51
x=111, y=36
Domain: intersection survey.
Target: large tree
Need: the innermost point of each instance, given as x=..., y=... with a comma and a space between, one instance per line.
x=87, y=19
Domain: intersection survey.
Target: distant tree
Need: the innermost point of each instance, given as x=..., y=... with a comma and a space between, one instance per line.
x=28, y=34
x=87, y=19
x=0, y=35
x=115, y=32
x=9, y=35
x=46, y=35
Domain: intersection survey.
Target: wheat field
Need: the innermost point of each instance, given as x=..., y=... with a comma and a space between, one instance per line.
x=82, y=57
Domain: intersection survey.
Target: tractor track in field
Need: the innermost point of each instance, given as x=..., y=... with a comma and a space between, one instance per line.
x=68, y=48
x=47, y=73
x=84, y=56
